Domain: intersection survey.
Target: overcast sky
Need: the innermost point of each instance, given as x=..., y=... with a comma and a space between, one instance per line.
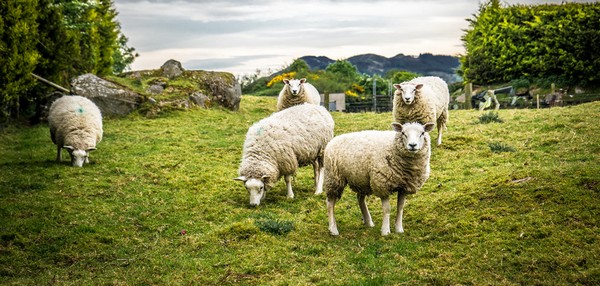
x=240, y=36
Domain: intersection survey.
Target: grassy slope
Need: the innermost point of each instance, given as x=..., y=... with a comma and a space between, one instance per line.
x=525, y=217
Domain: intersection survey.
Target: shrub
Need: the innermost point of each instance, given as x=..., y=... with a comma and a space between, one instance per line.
x=490, y=117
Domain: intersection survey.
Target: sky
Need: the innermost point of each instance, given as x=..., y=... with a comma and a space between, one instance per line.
x=243, y=36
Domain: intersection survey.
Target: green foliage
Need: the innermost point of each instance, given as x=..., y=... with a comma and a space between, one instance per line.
x=269, y=224
x=18, y=55
x=402, y=76
x=343, y=69
x=490, y=117
x=557, y=42
x=56, y=40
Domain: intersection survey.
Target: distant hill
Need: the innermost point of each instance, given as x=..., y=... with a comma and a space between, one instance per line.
x=425, y=64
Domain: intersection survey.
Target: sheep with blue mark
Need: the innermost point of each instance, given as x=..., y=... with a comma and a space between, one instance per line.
x=277, y=145
x=75, y=125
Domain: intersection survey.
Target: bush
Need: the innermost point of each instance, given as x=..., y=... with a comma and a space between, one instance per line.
x=490, y=117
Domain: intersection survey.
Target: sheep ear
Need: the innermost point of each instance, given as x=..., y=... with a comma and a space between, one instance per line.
x=397, y=86
x=69, y=148
x=418, y=86
x=397, y=126
x=265, y=179
x=286, y=81
x=302, y=80
x=241, y=178
x=91, y=149
x=428, y=126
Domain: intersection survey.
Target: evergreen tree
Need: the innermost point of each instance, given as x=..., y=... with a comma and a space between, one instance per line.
x=18, y=54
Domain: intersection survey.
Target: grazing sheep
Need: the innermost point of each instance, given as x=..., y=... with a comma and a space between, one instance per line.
x=76, y=125
x=297, y=91
x=379, y=163
x=423, y=100
x=277, y=145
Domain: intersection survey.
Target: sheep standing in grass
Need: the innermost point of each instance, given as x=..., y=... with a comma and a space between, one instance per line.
x=277, y=145
x=297, y=91
x=76, y=125
x=423, y=100
x=379, y=163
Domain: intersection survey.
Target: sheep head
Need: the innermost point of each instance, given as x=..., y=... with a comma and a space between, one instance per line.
x=294, y=85
x=414, y=135
x=408, y=91
x=78, y=156
x=257, y=188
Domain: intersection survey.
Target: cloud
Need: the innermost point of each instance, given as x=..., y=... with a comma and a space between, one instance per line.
x=241, y=36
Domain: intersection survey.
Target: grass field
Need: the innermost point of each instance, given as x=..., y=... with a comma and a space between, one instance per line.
x=515, y=202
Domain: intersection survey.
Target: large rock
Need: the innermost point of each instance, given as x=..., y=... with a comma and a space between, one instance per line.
x=171, y=69
x=112, y=99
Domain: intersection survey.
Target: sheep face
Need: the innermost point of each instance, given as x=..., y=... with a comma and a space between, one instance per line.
x=255, y=187
x=294, y=85
x=78, y=156
x=413, y=135
x=408, y=91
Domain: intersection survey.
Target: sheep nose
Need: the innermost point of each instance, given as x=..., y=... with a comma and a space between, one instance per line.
x=412, y=145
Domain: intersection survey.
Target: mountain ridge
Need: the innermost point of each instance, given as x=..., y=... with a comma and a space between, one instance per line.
x=444, y=66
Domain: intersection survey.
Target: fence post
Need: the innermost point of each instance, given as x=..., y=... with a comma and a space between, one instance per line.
x=326, y=100
x=468, y=91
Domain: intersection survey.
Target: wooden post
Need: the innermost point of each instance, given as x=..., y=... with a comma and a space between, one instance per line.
x=326, y=100
x=538, y=100
x=468, y=91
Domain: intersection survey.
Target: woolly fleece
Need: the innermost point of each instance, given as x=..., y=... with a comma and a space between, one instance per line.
x=430, y=104
x=75, y=121
x=308, y=93
x=277, y=145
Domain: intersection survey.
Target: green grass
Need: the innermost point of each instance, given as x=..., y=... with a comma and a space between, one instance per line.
x=158, y=206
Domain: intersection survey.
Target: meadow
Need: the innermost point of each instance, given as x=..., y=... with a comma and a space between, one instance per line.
x=510, y=201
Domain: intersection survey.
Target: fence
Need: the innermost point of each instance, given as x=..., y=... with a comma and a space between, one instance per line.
x=383, y=103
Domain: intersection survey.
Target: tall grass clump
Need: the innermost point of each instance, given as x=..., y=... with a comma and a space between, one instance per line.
x=158, y=206
x=490, y=117
x=497, y=147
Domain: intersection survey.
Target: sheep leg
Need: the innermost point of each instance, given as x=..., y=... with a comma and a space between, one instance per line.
x=318, y=171
x=385, y=224
x=58, y=153
x=288, y=183
x=366, y=216
x=439, y=137
x=330, y=207
x=400, y=212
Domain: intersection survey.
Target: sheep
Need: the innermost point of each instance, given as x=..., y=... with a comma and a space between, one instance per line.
x=423, y=100
x=297, y=91
x=76, y=125
x=277, y=145
x=378, y=163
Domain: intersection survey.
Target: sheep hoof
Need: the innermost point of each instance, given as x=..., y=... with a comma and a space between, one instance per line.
x=400, y=230
x=334, y=232
x=385, y=232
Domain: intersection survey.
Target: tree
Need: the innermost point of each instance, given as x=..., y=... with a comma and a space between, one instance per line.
x=18, y=54
x=343, y=69
x=560, y=43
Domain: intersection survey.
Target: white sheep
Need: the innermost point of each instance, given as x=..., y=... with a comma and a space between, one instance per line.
x=423, y=100
x=297, y=91
x=277, y=145
x=379, y=163
x=76, y=125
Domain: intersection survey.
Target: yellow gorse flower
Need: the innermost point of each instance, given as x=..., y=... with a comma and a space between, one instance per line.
x=280, y=78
